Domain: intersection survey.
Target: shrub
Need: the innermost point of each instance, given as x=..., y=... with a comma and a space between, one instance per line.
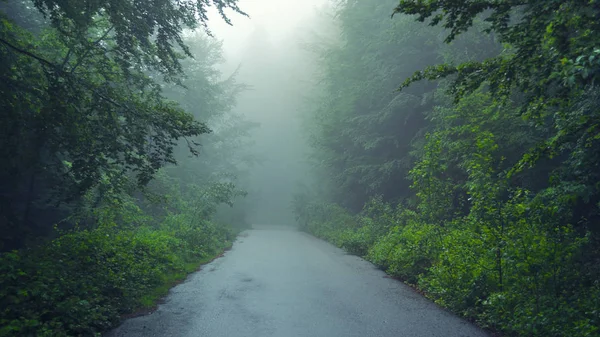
x=81, y=282
x=407, y=251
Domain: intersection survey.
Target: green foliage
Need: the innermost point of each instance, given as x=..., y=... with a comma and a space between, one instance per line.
x=103, y=222
x=501, y=222
x=83, y=281
x=87, y=112
x=356, y=114
x=151, y=44
x=530, y=266
x=407, y=251
x=550, y=59
x=356, y=241
x=331, y=219
x=84, y=111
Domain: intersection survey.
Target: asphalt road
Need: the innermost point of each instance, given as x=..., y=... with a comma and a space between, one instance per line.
x=284, y=283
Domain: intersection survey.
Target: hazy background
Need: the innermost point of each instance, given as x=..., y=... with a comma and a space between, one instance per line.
x=281, y=19
x=267, y=48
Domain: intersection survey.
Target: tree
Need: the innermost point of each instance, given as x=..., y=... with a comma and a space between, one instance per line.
x=81, y=105
x=363, y=130
x=551, y=58
x=144, y=32
x=503, y=226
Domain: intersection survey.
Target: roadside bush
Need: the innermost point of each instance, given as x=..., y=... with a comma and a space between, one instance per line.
x=80, y=283
x=407, y=251
x=461, y=275
x=327, y=221
x=358, y=241
x=518, y=272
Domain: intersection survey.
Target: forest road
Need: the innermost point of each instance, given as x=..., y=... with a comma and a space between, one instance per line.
x=285, y=283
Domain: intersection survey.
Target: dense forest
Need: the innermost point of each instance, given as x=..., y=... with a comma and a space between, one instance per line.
x=454, y=144
x=99, y=100
x=459, y=143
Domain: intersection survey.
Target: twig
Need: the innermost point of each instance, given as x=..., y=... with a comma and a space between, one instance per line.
x=25, y=52
x=87, y=52
x=66, y=60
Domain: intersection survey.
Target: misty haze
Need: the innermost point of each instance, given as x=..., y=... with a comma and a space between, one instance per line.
x=288, y=168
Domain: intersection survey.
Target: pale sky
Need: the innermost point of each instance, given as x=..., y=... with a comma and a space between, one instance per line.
x=278, y=17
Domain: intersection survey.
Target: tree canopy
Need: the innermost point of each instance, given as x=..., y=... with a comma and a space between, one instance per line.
x=83, y=98
x=146, y=34
x=461, y=141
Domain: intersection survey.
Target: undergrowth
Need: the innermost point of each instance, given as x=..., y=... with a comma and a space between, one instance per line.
x=81, y=283
x=521, y=281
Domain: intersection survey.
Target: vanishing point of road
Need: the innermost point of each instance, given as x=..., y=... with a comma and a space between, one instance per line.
x=285, y=283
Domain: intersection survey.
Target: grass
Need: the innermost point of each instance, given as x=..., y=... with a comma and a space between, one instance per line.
x=150, y=301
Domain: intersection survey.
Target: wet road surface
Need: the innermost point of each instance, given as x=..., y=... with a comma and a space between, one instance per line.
x=284, y=283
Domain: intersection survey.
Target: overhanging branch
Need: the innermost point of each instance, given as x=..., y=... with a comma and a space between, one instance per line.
x=25, y=52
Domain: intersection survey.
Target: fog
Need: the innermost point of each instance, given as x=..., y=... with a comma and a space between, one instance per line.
x=281, y=19
x=267, y=48
x=459, y=155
